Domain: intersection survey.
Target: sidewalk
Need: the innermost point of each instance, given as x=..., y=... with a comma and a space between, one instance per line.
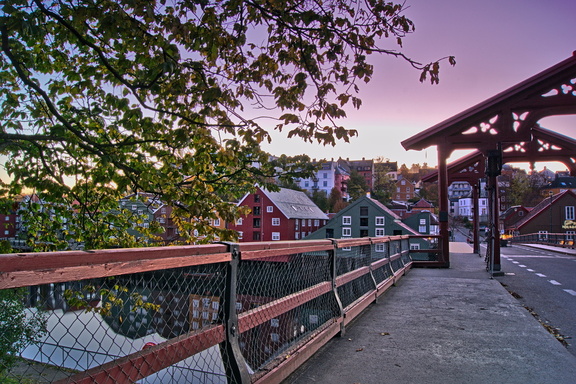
x=443, y=326
x=551, y=248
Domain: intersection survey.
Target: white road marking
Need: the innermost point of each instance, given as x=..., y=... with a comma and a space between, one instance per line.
x=540, y=275
x=539, y=257
x=516, y=262
x=530, y=270
x=554, y=282
x=522, y=266
x=570, y=291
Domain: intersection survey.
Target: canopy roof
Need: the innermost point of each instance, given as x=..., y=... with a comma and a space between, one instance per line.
x=508, y=116
x=545, y=146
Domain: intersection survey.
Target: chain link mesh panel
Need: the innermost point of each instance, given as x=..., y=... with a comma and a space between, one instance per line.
x=269, y=280
x=350, y=259
x=92, y=322
x=383, y=272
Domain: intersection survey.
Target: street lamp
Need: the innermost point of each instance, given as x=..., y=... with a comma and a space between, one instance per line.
x=550, y=193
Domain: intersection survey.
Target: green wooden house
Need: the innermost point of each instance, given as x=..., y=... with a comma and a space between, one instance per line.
x=366, y=217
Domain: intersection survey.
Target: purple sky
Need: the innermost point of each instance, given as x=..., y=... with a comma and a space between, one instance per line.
x=497, y=44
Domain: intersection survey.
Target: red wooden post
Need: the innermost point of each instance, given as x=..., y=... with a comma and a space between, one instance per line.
x=443, y=203
x=476, y=216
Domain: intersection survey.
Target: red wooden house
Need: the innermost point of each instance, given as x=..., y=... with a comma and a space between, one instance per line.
x=554, y=214
x=282, y=215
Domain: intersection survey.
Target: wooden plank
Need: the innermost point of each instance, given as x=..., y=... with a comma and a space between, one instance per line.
x=32, y=276
x=250, y=319
x=267, y=253
x=136, y=366
x=352, y=275
x=52, y=260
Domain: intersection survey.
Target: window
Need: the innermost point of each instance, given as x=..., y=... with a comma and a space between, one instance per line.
x=570, y=235
x=363, y=233
x=403, y=182
x=306, y=184
x=256, y=198
x=379, y=247
x=6, y=232
x=256, y=211
x=408, y=189
x=256, y=223
x=297, y=224
x=163, y=210
x=324, y=183
x=256, y=236
x=216, y=222
x=7, y=218
x=414, y=246
x=134, y=207
x=363, y=221
x=380, y=220
x=316, y=223
x=275, y=236
x=239, y=221
x=379, y=232
x=346, y=220
x=275, y=221
x=270, y=208
x=397, y=189
x=422, y=228
x=161, y=220
x=325, y=175
x=363, y=211
x=240, y=235
x=346, y=231
x=297, y=235
x=569, y=212
x=542, y=235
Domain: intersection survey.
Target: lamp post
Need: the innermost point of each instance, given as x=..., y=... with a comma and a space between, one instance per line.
x=550, y=193
x=493, y=169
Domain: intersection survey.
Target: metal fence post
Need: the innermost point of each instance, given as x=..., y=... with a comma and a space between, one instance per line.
x=372, y=277
x=334, y=275
x=233, y=360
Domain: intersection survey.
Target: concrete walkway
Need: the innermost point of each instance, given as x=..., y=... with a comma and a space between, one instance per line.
x=444, y=326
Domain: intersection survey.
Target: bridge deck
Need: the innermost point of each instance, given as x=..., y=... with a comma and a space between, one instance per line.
x=443, y=326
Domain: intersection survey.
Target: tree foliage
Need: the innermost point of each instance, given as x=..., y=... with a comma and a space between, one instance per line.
x=384, y=185
x=320, y=198
x=525, y=189
x=17, y=330
x=100, y=99
x=357, y=186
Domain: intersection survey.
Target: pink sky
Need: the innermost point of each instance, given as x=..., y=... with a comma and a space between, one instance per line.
x=497, y=44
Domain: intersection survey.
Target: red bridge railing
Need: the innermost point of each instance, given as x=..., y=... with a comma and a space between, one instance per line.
x=234, y=312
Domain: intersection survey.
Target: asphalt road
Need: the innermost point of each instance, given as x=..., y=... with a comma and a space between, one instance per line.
x=545, y=282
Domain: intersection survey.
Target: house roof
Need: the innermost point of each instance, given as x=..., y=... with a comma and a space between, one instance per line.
x=150, y=200
x=295, y=204
x=540, y=208
x=422, y=203
x=563, y=182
